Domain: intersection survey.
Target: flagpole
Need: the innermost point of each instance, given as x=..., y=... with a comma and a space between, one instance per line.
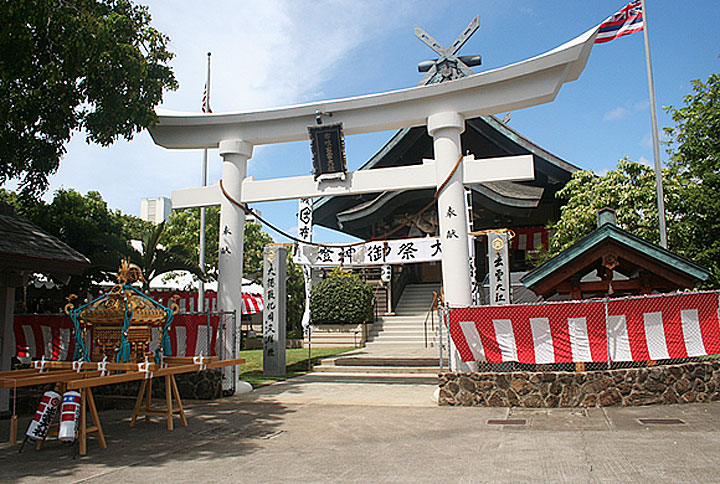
x=656, y=139
x=201, y=285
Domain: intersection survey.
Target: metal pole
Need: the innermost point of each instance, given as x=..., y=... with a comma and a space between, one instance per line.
x=440, y=336
x=656, y=141
x=201, y=286
x=208, y=335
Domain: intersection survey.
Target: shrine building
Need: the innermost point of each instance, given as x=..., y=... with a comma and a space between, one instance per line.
x=524, y=207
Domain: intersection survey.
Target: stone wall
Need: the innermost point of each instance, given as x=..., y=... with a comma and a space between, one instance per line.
x=684, y=383
x=335, y=335
x=198, y=385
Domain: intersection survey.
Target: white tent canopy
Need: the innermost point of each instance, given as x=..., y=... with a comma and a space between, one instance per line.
x=183, y=280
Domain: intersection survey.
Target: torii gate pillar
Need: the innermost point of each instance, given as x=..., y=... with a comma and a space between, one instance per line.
x=235, y=154
x=445, y=129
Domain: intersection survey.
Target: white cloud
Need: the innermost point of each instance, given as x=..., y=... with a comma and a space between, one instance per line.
x=292, y=230
x=623, y=112
x=278, y=52
x=645, y=161
x=641, y=105
x=646, y=141
x=617, y=113
x=264, y=53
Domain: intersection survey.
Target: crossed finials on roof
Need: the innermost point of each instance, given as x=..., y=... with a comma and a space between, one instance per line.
x=448, y=66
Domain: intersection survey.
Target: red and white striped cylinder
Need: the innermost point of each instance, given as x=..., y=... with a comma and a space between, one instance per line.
x=44, y=415
x=69, y=414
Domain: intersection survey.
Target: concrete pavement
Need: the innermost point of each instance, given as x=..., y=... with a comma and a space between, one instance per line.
x=320, y=431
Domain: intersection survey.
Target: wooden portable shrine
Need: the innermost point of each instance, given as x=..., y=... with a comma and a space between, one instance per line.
x=121, y=322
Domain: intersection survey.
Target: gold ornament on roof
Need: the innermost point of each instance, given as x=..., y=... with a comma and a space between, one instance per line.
x=129, y=273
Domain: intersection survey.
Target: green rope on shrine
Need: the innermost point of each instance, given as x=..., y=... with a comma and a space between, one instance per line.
x=165, y=340
x=81, y=352
x=123, y=354
x=165, y=345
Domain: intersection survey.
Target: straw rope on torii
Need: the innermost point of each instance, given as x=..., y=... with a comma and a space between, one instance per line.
x=386, y=235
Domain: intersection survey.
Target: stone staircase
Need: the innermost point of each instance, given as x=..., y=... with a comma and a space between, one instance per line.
x=396, y=350
x=407, y=327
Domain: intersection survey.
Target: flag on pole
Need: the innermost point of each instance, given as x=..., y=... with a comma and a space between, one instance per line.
x=626, y=21
x=206, y=102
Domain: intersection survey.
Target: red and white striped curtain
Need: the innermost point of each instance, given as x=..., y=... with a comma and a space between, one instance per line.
x=530, y=238
x=252, y=303
x=623, y=329
x=52, y=336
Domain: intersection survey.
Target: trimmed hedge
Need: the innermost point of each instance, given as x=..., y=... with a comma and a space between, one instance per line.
x=341, y=300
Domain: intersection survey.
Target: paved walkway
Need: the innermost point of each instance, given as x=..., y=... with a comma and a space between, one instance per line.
x=308, y=430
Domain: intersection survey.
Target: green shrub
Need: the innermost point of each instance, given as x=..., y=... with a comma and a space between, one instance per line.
x=341, y=300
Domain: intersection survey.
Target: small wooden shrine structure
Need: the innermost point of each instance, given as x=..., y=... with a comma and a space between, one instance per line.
x=612, y=262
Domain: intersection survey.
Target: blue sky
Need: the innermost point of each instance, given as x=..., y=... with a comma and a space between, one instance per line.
x=268, y=53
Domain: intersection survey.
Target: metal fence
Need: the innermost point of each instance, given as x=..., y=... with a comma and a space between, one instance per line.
x=589, y=334
x=212, y=333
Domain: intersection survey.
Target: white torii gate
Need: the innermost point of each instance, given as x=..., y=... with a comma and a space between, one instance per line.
x=442, y=107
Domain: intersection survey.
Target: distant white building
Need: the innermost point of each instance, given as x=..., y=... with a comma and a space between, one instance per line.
x=155, y=209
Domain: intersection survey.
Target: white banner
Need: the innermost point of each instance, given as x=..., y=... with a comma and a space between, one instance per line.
x=305, y=232
x=401, y=251
x=499, y=267
x=305, y=219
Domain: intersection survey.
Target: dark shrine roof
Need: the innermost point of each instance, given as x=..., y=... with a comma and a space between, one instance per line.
x=634, y=254
x=26, y=248
x=485, y=137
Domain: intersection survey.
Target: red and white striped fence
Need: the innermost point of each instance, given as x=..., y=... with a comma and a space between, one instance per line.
x=624, y=329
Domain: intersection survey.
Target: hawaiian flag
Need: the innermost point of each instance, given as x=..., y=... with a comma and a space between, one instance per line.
x=627, y=21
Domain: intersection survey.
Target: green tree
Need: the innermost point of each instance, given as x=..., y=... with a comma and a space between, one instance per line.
x=295, y=294
x=155, y=259
x=183, y=227
x=69, y=65
x=695, y=158
x=629, y=189
x=341, y=299
x=84, y=223
x=133, y=228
